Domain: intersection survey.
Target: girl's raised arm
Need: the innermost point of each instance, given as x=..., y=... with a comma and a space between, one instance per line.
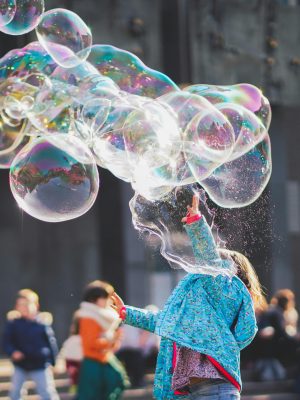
x=203, y=243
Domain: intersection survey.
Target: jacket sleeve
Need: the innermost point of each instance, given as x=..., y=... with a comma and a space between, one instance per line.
x=203, y=244
x=8, y=344
x=140, y=318
x=245, y=328
x=53, y=348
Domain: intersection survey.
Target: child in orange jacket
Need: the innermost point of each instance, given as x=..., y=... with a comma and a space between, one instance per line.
x=101, y=374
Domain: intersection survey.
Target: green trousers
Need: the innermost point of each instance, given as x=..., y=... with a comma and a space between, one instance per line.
x=99, y=381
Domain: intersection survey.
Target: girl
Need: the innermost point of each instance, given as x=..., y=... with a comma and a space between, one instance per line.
x=204, y=324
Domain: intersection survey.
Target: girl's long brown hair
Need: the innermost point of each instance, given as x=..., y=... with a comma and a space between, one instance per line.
x=247, y=275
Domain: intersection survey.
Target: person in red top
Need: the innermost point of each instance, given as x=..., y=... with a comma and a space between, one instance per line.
x=102, y=376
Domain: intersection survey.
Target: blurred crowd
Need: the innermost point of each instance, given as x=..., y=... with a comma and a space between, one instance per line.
x=102, y=356
x=274, y=354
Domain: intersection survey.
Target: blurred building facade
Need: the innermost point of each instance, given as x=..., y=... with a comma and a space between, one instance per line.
x=193, y=41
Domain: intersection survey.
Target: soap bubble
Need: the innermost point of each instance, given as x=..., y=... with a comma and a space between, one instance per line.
x=185, y=106
x=248, y=129
x=76, y=75
x=52, y=111
x=129, y=72
x=208, y=142
x=54, y=178
x=135, y=137
x=159, y=222
x=207, y=137
x=17, y=98
x=12, y=139
x=241, y=181
x=7, y=11
x=65, y=37
x=20, y=63
x=93, y=115
x=243, y=94
x=26, y=17
x=18, y=109
x=135, y=121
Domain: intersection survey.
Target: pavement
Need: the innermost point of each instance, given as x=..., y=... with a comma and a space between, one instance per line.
x=277, y=390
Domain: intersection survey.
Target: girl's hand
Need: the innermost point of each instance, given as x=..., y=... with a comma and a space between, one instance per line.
x=118, y=303
x=194, y=209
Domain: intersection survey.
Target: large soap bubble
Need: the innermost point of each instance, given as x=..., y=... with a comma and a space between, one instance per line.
x=135, y=121
x=55, y=178
x=26, y=17
x=160, y=223
x=65, y=37
x=241, y=181
x=129, y=72
x=7, y=11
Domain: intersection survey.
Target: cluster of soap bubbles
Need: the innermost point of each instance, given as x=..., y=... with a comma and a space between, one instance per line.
x=67, y=105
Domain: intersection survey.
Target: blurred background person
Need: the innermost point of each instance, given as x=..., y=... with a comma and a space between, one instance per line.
x=282, y=316
x=71, y=352
x=102, y=376
x=273, y=353
x=30, y=343
x=283, y=313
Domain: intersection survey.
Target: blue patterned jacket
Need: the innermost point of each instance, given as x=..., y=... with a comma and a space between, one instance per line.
x=211, y=315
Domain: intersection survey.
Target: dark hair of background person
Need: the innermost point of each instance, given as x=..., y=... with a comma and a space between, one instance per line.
x=97, y=290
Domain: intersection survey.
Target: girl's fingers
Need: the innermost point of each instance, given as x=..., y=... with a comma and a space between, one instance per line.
x=195, y=204
x=117, y=300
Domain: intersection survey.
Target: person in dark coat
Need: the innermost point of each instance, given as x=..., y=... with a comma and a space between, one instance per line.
x=30, y=343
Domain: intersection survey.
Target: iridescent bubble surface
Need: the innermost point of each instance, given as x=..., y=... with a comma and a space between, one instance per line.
x=52, y=110
x=7, y=11
x=134, y=120
x=129, y=72
x=243, y=94
x=26, y=17
x=19, y=63
x=55, y=178
x=65, y=36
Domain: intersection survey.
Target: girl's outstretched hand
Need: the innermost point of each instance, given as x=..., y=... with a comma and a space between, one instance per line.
x=194, y=209
x=118, y=303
